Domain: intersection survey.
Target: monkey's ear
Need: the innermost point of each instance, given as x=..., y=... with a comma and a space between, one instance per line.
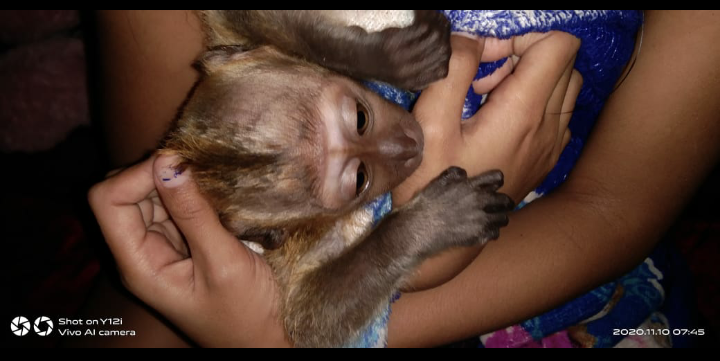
x=268, y=238
x=218, y=56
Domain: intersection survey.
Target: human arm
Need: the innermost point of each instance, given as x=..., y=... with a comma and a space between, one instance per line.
x=144, y=69
x=522, y=128
x=653, y=145
x=141, y=63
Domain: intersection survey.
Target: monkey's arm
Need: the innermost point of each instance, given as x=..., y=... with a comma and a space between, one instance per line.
x=409, y=57
x=336, y=301
x=339, y=299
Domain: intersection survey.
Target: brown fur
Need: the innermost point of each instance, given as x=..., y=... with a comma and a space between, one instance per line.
x=255, y=132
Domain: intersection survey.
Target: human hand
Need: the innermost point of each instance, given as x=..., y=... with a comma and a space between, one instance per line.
x=173, y=253
x=521, y=129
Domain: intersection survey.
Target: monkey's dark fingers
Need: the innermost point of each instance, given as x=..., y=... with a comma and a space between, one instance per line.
x=211, y=246
x=490, y=234
x=420, y=53
x=490, y=180
x=451, y=175
x=420, y=40
x=498, y=220
x=498, y=204
x=437, y=25
x=424, y=68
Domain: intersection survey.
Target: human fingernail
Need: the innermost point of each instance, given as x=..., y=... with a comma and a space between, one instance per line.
x=169, y=171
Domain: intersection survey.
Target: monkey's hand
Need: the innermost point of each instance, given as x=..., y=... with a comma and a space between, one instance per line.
x=457, y=211
x=452, y=211
x=411, y=57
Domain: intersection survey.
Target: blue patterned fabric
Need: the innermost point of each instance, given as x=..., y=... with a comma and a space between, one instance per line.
x=608, y=39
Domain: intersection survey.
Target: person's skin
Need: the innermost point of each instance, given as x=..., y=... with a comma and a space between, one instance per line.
x=654, y=143
x=654, y=138
x=145, y=58
x=220, y=295
x=136, y=210
x=144, y=61
x=522, y=129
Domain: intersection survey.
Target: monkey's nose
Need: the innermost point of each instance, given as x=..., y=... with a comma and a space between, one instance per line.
x=412, y=130
x=400, y=148
x=417, y=136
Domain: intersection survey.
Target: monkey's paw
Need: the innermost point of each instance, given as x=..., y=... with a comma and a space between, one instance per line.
x=417, y=55
x=465, y=211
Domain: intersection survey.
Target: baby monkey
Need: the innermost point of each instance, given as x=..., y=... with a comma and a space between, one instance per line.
x=289, y=149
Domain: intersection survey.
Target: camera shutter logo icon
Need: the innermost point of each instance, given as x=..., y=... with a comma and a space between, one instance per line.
x=20, y=326
x=43, y=326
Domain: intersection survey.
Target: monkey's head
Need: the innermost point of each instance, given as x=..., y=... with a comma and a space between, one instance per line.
x=275, y=142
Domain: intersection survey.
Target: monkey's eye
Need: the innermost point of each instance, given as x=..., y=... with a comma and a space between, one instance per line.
x=362, y=179
x=362, y=119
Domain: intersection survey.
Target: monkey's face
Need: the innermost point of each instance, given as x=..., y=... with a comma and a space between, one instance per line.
x=274, y=142
x=369, y=145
